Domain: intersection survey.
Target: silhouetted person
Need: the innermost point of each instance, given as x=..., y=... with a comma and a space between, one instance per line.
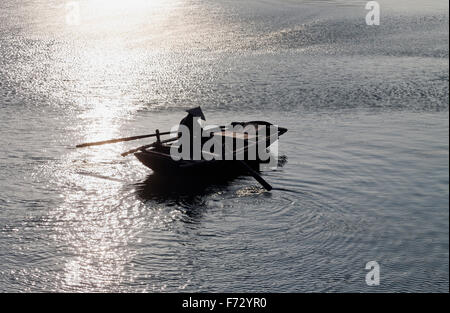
x=192, y=118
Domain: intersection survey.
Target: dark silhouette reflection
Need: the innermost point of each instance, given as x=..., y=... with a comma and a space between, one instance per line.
x=187, y=192
x=184, y=190
x=161, y=187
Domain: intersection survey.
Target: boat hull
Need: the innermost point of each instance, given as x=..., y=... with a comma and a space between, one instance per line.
x=162, y=163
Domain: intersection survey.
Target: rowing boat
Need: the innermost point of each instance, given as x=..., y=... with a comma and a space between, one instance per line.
x=158, y=157
x=239, y=148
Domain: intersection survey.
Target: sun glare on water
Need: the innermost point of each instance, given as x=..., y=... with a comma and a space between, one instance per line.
x=124, y=6
x=109, y=42
x=116, y=15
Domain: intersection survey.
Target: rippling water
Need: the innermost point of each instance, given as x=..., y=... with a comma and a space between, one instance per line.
x=367, y=166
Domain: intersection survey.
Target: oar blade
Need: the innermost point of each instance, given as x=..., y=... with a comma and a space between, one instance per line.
x=256, y=176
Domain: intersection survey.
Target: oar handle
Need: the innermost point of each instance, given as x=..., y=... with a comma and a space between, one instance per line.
x=147, y=146
x=104, y=142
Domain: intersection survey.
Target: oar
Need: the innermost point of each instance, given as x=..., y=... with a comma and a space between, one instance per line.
x=98, y=143
x=147, y=146
x=255, y=175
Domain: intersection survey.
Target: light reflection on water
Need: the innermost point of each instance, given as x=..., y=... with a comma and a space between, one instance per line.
x=97, y=228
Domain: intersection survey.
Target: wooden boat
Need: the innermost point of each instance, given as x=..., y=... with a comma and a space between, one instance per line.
x=242, y=158
x=158, y=157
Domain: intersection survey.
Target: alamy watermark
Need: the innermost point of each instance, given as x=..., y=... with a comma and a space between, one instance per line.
x=250, y=143
x=373, y=17
x=73, y=15
x=373, y=276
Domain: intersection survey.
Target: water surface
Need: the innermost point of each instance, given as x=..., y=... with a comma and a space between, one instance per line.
x=366, y=176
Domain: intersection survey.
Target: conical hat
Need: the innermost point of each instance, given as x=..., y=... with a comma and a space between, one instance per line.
x=196, y=112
